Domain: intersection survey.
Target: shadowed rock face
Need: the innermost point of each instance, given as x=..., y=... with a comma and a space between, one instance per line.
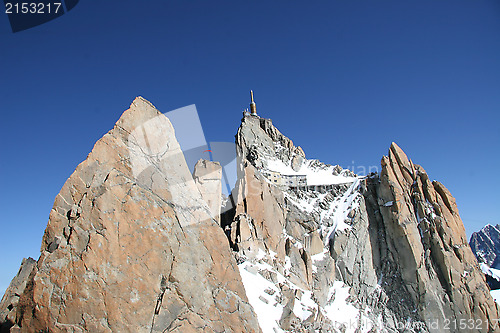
x=486, y=245
x=130, y=245
x=10, y=299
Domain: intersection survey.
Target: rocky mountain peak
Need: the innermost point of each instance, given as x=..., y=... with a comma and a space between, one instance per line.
x=486, y=245
x=261, y=144
x=258, y=141
x=131, y=246
x=427, y=240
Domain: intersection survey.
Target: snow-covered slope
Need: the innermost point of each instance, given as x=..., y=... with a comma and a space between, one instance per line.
x=265, y=286
x=295, y=289
x=496, y=295
x=267, y=279
x=486, y=247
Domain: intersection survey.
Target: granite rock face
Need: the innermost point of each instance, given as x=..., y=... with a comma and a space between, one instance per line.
x=427, y=241
x=258, y=139
x=131, y=246
x=207, y=177
x=395, y=240
x=281, y=244
x=10, y=299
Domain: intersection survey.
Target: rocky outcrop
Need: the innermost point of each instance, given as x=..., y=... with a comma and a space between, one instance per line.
x=406, y=256
x=131, y=246
x=207, y=177
x=486, y=245
x=264, y=203
x=427, y=241
x=395, y=240
x=273, y=247
x=287, y=272
x=258, y=140
x=8, y=305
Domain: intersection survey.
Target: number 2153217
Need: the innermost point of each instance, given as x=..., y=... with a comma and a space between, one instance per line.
x=33, y=8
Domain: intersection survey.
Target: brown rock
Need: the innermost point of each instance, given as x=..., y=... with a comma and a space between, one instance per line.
x=404, y=256
x=427, y=239
x=264, y=203
x=313, y=243
x=268, y=229
x=131, y=246
x=207, y=177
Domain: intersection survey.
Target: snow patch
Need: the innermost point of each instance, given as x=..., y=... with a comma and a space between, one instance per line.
x=268, y=314
x=315, y=175
x=303, y=204
x=304, y=307
x=343, y=313
x=318, y=257
x=264, y=296
x=340, y=211
x=494, y=273
x=496, y=295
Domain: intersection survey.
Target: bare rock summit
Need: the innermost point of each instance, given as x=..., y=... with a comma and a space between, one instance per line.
x=427, y=241
x=131, y=246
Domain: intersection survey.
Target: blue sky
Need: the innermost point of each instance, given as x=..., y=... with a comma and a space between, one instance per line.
x=343, y=79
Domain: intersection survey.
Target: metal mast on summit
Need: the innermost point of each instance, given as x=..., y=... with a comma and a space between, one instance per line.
x=253, y=107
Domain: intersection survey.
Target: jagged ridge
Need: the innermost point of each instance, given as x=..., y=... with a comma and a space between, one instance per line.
x=395, y=239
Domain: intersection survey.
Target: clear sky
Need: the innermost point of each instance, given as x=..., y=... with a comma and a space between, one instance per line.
x=341, y=78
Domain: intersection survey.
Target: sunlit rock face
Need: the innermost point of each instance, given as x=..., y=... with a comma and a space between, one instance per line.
x=207, y=175
x=131, y=246
x=427, y=241
x=387, y=251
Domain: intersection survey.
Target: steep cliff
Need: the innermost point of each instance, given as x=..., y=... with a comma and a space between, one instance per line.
x=427, y=240
x=130, y=245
